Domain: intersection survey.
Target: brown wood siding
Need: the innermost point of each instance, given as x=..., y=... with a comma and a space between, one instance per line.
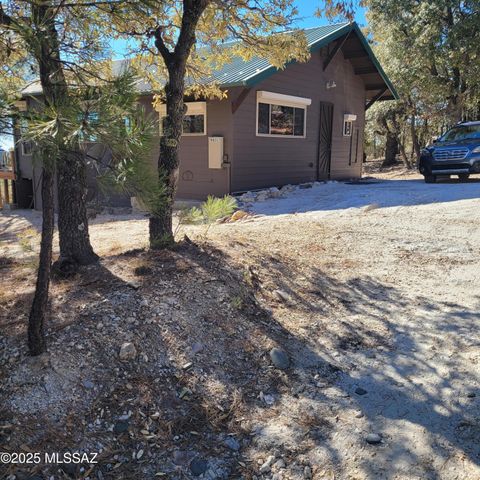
x=196, y=180
x=265, y=161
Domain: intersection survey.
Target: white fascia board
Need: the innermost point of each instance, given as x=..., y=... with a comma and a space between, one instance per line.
x=281, y=99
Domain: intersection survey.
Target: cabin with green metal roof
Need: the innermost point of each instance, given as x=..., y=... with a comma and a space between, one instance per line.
x=300, y=124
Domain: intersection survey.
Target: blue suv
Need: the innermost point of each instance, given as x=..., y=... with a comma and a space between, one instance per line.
x=455, y=153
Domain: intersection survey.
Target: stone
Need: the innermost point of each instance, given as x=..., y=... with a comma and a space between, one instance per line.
x=360, y=391
x=197, y=348
x=262, y=196
x=282, y=295
x=471, y=394
x=238, y=215
x=180, y=457
x=275, y=192
x=279, y=358
x=373, y=438
x=232, y=443
x=280, y=464
x=307, y=472
x=127, y=351
x=121, y=426
x=88, y=384
x=198, y=466
x=248, y=197
x=267, y=465
x=70, y=469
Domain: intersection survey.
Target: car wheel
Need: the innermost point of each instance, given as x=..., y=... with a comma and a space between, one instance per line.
x=430, y=178
x=463, y=177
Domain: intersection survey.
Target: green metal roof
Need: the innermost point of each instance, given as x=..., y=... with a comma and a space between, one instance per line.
x=247, y=73
x=250, y=72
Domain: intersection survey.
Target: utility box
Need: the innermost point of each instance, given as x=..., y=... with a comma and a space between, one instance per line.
x=215, y=152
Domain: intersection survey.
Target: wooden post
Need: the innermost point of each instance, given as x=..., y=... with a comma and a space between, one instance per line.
x=5, y=186
x=14, y=172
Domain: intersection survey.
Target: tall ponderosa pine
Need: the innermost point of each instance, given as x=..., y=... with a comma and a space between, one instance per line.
x=31, y=30
x=186, y=38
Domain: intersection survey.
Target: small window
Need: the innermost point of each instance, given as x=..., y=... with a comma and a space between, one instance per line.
x=281, y=120
x=27, y=148
x=194, y=122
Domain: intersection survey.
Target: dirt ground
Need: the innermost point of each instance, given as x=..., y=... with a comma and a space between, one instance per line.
x=373, y=291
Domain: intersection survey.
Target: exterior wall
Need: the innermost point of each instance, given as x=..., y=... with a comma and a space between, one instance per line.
x=266, y=161
x=196, y=180
x=257, y=162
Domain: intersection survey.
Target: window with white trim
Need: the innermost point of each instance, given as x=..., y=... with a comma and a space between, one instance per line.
x=194, y=122
x=281, y=115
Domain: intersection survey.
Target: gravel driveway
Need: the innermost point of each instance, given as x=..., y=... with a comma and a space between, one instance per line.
x=383, y=282
x=396, y=274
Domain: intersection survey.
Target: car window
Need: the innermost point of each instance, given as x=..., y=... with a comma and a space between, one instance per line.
x=462, y=132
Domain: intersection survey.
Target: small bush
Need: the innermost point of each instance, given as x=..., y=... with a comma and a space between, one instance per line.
x=210, y=211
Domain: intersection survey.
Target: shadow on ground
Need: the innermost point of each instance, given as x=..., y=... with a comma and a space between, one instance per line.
x=184, y=403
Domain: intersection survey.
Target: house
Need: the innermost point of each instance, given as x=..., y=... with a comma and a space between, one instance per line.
x=275, y=127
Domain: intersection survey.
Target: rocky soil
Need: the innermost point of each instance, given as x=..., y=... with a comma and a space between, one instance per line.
x=338, y=341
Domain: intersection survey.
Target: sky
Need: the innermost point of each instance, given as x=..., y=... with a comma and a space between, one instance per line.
x=306, y=18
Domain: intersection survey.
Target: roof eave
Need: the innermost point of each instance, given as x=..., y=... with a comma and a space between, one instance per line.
x=315, y=46
x=375, y=61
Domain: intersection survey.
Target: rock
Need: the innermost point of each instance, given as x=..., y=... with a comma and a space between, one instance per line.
x=238, y=215
x=373, y=438
x=70, y=469
x=88, y=384
x=282, y=295
x=262, y=196
x=180, y=457
x=232, y=443
x=471, y=394
x=359, y=414
x=275, y=192
x=360, y=391
x=267, y=465
x=279, y=358
x=303, y=186
x=197, y=348
x=198, y=466
x=127, y=351
x=280, y=464
x=307, y=472
x=121, y=426
x=248, y=197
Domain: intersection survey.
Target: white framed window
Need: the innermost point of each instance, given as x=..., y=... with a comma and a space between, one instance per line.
x=194, y=122
x=281, y=115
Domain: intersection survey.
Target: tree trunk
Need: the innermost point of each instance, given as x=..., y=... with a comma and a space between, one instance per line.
x=160, y=225
x=391, y=149
x=415, y=140
x=75, y=247
x=38, y=312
